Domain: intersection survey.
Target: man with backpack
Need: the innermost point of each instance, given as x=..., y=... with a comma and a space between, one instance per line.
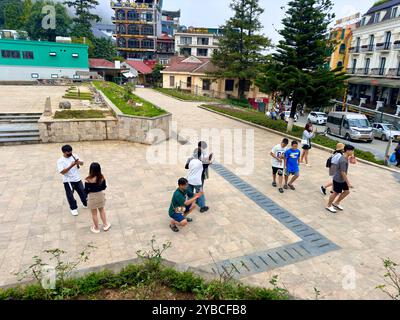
x=331, y=164
x=341, y=183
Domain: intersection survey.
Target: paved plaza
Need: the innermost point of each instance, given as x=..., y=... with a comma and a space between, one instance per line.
x=35, y=215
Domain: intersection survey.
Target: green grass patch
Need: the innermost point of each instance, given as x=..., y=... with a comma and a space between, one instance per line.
x=149, y=278
x=79, y=114
x=116, y=94
x=280, y=125
x=179, y=94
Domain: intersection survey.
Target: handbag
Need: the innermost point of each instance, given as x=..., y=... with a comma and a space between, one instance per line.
x=393, y=158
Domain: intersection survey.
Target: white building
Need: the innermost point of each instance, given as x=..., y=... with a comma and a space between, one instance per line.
x=374, y=63
x=197, y=42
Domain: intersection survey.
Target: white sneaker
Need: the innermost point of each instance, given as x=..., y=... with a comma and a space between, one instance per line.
x=338, y=207
x=85, y=207
x=74, y=212
x=331, y=209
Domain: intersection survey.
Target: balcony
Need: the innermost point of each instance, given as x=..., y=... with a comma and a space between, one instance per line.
x=378, y=72
x=351, y=70
x=354, y=50
x=369, y=48
x=362, y=71
x=129, y=5
x=394, y=73
x=383, y=46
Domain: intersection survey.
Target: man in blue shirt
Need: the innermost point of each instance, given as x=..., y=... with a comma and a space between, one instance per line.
x=292, y=160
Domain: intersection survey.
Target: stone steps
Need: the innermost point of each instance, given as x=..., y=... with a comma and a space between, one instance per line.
x=19, y=128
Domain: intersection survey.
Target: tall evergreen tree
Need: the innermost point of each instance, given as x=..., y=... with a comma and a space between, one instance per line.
x=299, y=70
x=12, y=15
x=3, y=4
x=240, y=51
x=83, y=17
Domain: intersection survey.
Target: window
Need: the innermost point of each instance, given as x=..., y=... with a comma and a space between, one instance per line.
x=189, y=82
x=339, y=64
x=75, y=55
x=34, y=75
x=367, y=64
x=186, y=52
x=121, y=29
x=133, y=15
x=377, y=17
x=354, y=65
x=388, y=37
x=363, y=21
x=229, y=84
x=120, y=15
x=121, y=42
x=13, y=54
x=342, y=48
x=393, y=14
x=186, y=40
x=133, y=43
x=76, y=76
x=382, y=66
x=149, y=17
x=147, y=30
x=343, y=33
x=54, y=76
x=172, y=81
x=133, y=29
x=203, y=41
x=27, y=55
x=202, y=52
x=148, y=44
x=247, y=85
x=206, y=84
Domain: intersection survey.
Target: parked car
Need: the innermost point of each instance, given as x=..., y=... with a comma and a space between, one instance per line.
x=384, y=131
x=286, y=115
x=317, y=117
x=351, y=126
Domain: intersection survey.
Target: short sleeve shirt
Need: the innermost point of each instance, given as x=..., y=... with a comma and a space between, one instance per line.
x=342, y=166
x=178, y=200
x=292, y=160
x=73, y=174
x=279, y=152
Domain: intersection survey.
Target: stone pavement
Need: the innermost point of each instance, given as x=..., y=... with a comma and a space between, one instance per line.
x=35, y=215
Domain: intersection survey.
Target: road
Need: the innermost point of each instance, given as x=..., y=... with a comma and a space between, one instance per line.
x=377, y=147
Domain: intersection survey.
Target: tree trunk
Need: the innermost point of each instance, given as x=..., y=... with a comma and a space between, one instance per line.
x=242, y=83
x=292, y=115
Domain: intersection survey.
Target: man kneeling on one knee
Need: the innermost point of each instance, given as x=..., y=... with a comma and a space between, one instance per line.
x=182, y=204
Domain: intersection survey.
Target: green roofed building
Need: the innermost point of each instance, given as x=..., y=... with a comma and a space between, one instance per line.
x=24, y=60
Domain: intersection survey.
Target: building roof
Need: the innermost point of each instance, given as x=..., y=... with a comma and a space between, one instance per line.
x=101, y=64
x=166, y=37
x=140, y=66
x=172, y=14
x=191, y=65
x=44, y=43
x=383, y=6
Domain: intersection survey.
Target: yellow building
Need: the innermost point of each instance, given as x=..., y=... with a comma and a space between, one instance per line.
x=342, y=33
x=192, y=74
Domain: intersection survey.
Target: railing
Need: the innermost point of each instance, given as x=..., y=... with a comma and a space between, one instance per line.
x=362, y=71
x=351, y=70
x=383, y=46
x=378, y=71
x=394, y=72
x=354, y=50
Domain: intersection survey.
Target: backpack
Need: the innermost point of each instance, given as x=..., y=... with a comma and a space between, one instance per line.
x=329, y=162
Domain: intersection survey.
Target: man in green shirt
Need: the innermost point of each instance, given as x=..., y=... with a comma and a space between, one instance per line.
x=182, y=204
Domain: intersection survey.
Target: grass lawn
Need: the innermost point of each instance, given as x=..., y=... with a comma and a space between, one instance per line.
x=116, y=94
x=79, y=114
x=279, y=125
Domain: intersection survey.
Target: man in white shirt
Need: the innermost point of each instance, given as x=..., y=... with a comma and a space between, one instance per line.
x=195, y=179
x=278, y=164
x=68, y=165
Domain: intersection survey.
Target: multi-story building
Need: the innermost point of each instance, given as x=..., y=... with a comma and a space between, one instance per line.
x=198, y=42
x=170, y=21
x=138, y=25
x=342, y=34
x=374, y=63
x=23, y=60
x=165, y=48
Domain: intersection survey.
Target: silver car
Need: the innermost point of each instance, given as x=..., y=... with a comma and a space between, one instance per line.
x=384, y=131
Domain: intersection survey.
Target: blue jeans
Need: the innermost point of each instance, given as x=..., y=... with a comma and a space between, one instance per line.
x=201, y=202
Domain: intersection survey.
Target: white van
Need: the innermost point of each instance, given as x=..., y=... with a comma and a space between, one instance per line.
x=351, y=126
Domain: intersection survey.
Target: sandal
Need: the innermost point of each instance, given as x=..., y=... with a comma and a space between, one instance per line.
x=174, y=228
x=94, y=230
x=106, y=228
x=292, y=187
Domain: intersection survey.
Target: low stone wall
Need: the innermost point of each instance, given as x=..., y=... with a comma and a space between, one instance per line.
x=74, y=130
x=121, y=127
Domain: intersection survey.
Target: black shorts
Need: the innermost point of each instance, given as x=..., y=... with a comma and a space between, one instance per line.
x=306, y=147
x=278, y=171
x=339, y=187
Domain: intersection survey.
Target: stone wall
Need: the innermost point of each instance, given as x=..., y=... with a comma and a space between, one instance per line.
x=73, y=130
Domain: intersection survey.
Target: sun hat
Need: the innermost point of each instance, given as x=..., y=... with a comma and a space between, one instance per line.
x=340, y=147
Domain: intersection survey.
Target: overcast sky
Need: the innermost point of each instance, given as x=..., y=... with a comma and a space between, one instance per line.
x=213, y=13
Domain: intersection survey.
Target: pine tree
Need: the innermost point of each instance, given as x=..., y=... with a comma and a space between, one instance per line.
x=299, y=71
x=241, y=47
x=83, y=17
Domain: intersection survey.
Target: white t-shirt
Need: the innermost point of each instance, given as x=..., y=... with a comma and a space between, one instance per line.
x=73, y=174
x=279, y=152
x=195, y=172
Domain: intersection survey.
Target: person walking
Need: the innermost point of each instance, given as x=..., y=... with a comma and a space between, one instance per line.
x=278, y=163
x=182, y=204
x=331, y=164
x=68, y=166
x=95, y=184
x=292, y=161
x=308, y=134
x=195, y=175
x=341, y=183
x=206, y=158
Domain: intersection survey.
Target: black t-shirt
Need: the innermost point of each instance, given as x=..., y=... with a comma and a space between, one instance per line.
x=94, y=187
